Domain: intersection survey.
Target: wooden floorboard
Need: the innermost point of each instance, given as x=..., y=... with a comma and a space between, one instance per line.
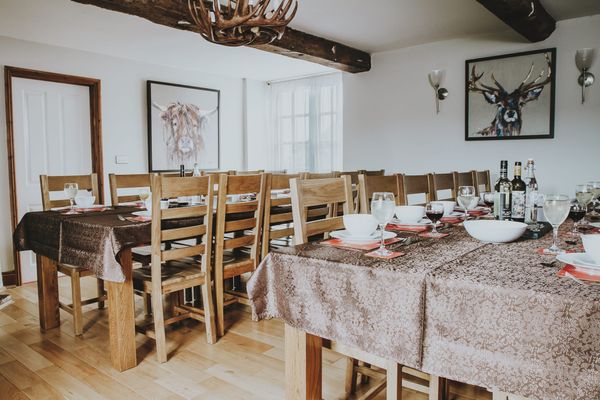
x=247, y=363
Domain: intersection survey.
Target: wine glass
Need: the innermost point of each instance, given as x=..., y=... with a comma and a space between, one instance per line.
x=144, y=196
x=435, y=212
x=596, y=192
x=576, y=214
x=466, y=196
x=71, y=190
x=556, y=209
x=487, y=198
x=383, y=206
x=584, y=195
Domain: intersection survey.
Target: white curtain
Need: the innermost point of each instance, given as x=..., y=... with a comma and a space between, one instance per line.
x=305, y=124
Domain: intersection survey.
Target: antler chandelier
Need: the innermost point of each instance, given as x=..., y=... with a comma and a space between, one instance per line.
x=242, y=22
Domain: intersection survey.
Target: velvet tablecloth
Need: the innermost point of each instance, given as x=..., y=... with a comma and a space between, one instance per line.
x=488, y=315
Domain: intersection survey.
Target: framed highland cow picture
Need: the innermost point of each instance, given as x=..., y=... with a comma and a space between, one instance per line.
x=183, y=127
x=511, y=96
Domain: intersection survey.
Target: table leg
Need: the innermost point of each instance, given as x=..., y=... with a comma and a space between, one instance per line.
x=121, y=317
x=47, y=282
x=303, y=376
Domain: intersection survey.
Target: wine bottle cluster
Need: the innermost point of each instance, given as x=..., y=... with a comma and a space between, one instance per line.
x=516, y=200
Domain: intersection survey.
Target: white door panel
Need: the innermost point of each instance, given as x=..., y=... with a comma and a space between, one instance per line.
x=51, y=123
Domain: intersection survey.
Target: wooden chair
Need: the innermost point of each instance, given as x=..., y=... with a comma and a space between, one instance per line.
x=56, y=184
x=465, y=179
x=320, y=175
x=440, y=182
x=414, y=184
x=352, y=174
x=483, y=181
x=176, y=269
x=278, y=213
x=243, y=220
x=369, y=184
x=128, y=183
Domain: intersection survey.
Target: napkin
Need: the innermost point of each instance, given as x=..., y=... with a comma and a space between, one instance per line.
x=451, y=220
x=431, y=235
x=357, y=246
x=407, y=228
x=392, y=255
x=578, y=273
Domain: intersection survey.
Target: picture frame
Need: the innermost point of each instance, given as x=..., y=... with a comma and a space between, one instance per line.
x=510, y=96
x=183, y=127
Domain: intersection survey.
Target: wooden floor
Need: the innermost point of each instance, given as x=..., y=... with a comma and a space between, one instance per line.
x=247, y=363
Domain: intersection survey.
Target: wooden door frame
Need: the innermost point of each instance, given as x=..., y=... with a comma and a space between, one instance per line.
x=14, y=277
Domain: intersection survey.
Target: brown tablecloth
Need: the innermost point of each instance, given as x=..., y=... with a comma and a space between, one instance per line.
x=489, y=315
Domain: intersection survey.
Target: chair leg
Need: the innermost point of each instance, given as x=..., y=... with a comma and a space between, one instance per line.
x=394, y=381
x=76, y=297
x=364, y=379
x=101, y=292
x=209, y=312
x=220, y=308
x=351, y=375
x=147, y=304
x=159, y=327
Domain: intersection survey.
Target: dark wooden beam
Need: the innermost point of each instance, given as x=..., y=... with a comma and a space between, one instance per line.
x=528, y=17
x=294, y=43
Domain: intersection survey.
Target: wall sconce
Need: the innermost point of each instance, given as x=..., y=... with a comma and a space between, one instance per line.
x=435, y=80
x=584, y=59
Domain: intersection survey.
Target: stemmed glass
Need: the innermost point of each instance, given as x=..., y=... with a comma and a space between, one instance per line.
x=435, y=212
x=596, y=192
x=584, y=195
x=466, y=196
x=71, y=190
x=576, y=214
x=144, y=196
x=556, y=209
x=383, y=206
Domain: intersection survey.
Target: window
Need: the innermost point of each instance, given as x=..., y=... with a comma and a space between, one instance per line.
x=305, y=124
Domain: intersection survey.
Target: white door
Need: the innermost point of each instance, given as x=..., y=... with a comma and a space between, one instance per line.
x=51, y=123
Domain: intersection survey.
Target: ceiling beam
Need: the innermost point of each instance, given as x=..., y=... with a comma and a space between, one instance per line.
x=528, y=17
x=295, y=44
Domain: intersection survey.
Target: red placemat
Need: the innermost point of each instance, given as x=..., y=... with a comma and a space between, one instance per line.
x=407, y=228
x=578, y=273
x=357, y=246
x=451, y=220
x=393, y=254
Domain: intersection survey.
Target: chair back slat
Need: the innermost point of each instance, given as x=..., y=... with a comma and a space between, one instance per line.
x=353, y=176
x=369, y=184
x=243, y=184
x=255, y=172
x=127, y=183
x=465, y=179
x=320, y=175
x=56, y=184
x=176, y=254
x=378, y=172
x=320, y=192
x=414, y=184
x=483, y=181
x=234, y=226
x=184, y=187
x=184, y=212
x=443, y=182
x=183, y=233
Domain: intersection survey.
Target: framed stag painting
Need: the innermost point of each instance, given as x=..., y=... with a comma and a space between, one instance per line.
x=183, y=127
x=511, y=96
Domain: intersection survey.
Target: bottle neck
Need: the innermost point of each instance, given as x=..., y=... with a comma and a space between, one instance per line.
x=517, y=172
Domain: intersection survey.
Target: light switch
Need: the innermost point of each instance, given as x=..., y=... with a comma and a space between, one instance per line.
x=121, y=159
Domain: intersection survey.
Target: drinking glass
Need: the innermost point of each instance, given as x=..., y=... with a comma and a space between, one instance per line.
x=144, y=196
x=556, y=209
x=466, y=196
x=487, y=198
x=596, y=192
x=576, y=214
x=71, y=190
x=383, y=206
x=584, y=195
x=435, y=212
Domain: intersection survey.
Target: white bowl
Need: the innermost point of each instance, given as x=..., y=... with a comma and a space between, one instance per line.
x=591, y=244
x=449, y=206
x=360, y=225
x=491, y=231
x=410, y=214
x=85, y=201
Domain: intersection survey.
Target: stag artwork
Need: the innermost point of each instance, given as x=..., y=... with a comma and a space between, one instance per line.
x=183, y=130
x=508, y=119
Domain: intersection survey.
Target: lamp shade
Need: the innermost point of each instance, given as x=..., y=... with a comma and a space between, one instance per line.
x=584, y=58
x=435, y=77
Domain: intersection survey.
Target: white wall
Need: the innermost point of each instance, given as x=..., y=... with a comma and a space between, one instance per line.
x=390, y=120
x=123, y=110
x=257, y=155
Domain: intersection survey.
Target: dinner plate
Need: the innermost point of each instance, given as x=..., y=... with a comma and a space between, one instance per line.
x=346, y=236
x=142, y=213
x=580, y=260
x=423, y=222
x=595, y=224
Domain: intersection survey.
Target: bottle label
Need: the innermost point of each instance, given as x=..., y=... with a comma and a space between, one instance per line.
x=504, y=206
x=518, y=205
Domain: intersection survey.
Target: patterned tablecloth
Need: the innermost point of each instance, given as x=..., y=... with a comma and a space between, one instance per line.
x=489, y=315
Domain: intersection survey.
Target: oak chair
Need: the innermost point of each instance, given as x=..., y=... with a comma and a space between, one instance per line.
x=483, y=180
x=56, y=184
x=278, y=212
x=443, y=182
x=352, y=174
x=242, y=220
x=369, y=184
x=175, y=269
x=465, y=179
x=413, y=185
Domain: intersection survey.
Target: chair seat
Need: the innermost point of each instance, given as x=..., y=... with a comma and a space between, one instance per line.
x=174, y=275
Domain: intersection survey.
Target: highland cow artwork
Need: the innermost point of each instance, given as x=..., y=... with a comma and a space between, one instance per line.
x=511, y=96
x=183, y=127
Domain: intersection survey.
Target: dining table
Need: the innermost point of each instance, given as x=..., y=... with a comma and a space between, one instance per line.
x=492, y=315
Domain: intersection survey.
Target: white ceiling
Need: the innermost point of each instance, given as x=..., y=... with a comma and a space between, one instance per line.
x=375, y=25
x=380, y=25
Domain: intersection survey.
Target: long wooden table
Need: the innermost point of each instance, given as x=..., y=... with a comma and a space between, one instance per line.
x=487, y=315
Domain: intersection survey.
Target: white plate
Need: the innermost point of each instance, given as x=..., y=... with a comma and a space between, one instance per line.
x=142, y=213
x=595, y=224
x=346, y=236
x=580, y=260
x=423, y=222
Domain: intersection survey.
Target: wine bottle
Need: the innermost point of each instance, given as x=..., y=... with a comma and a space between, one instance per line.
x=181, y=171
x=196, y=170
x=531, y=193
x=518, y=195
x=503, y=188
